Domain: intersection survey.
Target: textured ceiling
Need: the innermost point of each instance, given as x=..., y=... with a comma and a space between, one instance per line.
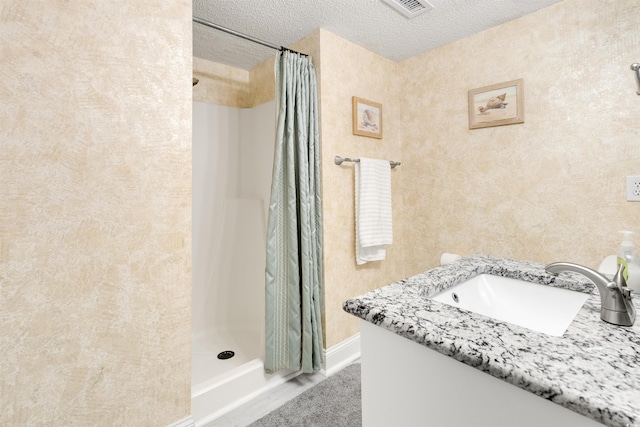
x=371, y=24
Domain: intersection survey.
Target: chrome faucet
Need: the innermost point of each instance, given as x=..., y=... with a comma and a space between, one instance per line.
x=616, y=306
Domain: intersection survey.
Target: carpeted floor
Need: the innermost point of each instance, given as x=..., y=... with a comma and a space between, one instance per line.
x=334, y=402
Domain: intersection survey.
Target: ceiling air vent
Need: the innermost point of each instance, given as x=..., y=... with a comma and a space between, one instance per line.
x=409, y=8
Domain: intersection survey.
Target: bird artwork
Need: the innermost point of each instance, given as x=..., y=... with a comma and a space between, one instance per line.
x=495, y=102
x=368, y=120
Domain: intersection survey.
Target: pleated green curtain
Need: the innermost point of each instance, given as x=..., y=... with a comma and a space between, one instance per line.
x=294, y=276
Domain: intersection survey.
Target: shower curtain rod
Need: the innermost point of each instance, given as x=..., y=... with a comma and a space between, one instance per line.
x=243, y=36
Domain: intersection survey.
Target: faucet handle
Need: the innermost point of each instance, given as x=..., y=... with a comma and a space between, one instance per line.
x=619, y=280
x=621, y=283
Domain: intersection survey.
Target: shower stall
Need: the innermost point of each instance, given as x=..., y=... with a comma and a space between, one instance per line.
x=232, y=166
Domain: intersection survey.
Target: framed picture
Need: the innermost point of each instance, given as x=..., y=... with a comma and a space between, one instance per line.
x=367, y=118
x=497, y=105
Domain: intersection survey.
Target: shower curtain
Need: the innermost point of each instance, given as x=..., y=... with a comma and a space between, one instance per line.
x=294, y=274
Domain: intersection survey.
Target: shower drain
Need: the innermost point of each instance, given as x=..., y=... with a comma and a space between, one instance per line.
x=227, y=354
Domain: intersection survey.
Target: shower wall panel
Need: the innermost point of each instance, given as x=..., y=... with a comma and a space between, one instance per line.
x=232, y=162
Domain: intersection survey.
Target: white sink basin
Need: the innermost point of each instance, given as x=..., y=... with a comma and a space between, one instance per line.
x=539, y=307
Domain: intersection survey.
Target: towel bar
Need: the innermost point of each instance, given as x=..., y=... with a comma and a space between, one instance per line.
x=339, y=160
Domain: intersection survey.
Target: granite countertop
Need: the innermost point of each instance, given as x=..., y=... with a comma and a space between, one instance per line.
x=593, y=369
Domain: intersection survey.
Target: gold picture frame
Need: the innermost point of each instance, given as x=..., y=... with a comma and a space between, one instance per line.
x=497, y=105
x=367, y=118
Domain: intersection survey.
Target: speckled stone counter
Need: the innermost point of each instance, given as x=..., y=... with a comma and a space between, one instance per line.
x=593, y=369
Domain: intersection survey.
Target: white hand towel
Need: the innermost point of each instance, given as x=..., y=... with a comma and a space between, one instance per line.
x=373, y=209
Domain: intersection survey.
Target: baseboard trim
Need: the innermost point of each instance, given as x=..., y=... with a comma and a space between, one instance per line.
x=341, y=354
x=185, y=422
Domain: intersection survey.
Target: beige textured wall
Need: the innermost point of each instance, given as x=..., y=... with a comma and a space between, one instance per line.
x=95, y=196
x=262, y=83
x=550, y=189
x=221, y=84
x=348, y=70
